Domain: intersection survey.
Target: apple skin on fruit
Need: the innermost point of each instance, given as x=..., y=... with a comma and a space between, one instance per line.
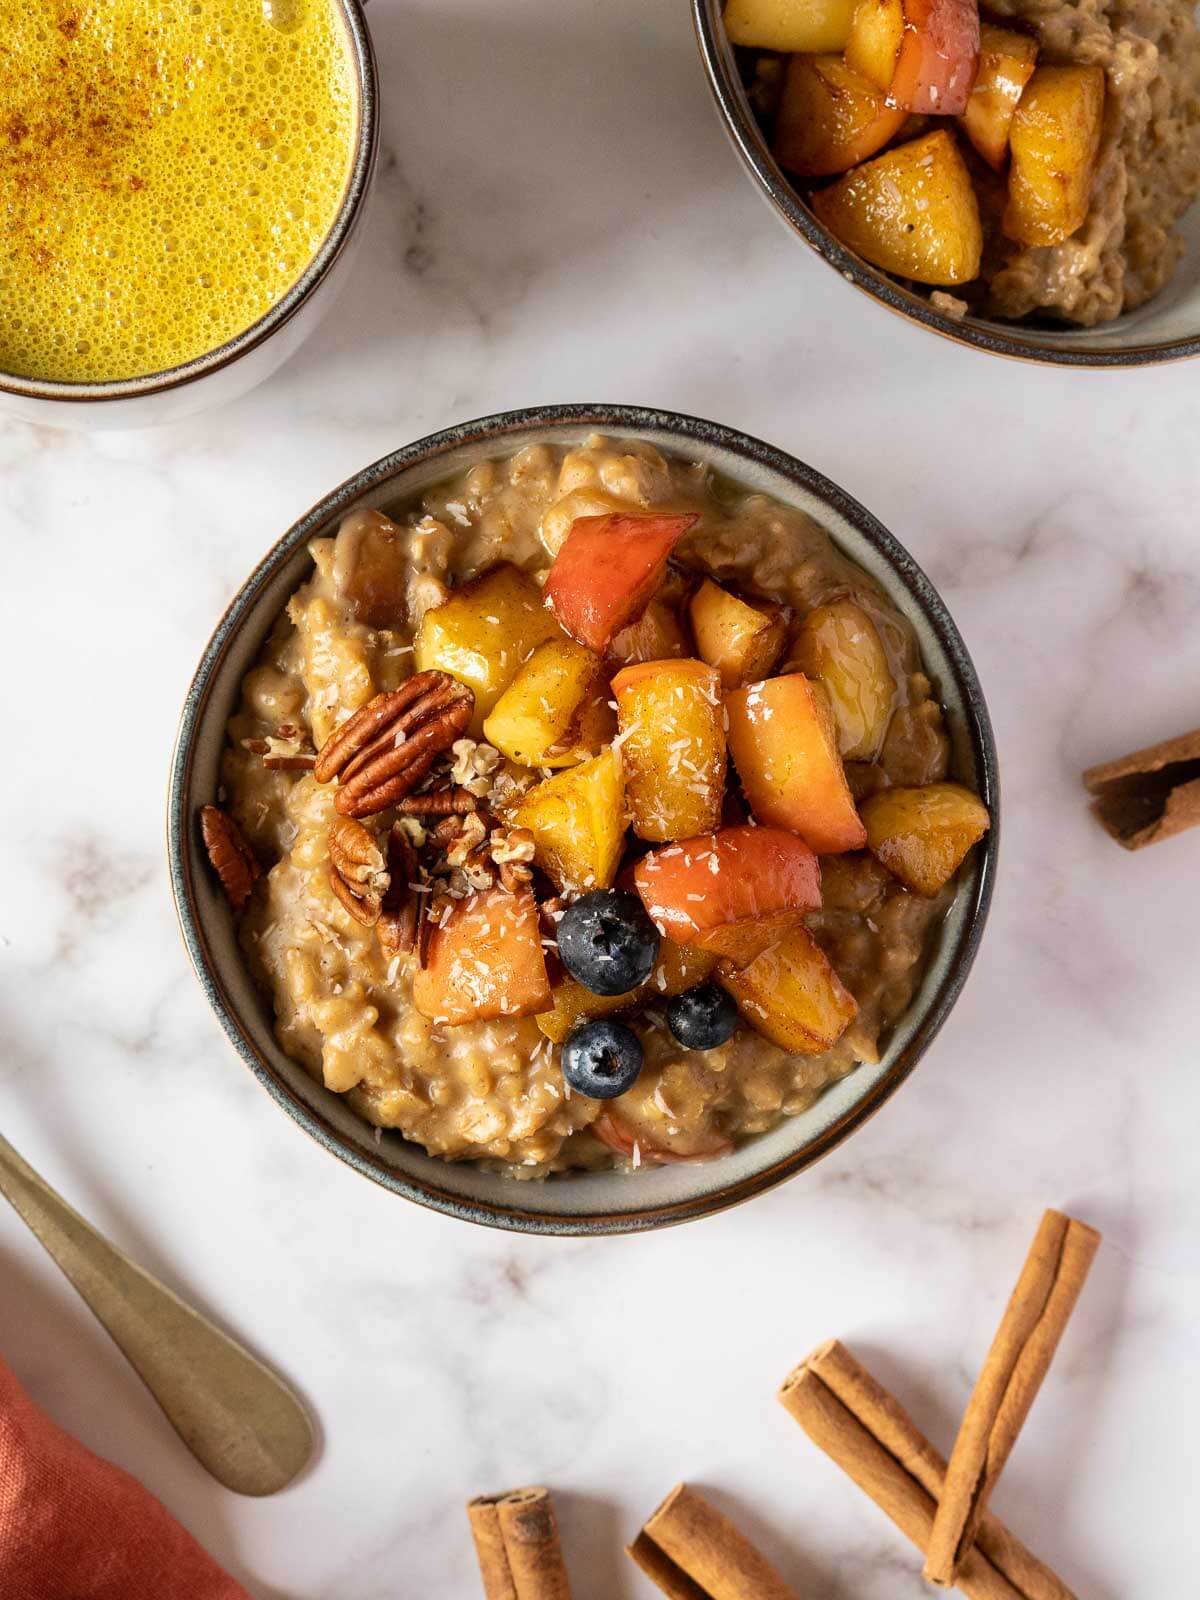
x=730, y=892
x=784, y=743
x=607, y=570
x=938, y=57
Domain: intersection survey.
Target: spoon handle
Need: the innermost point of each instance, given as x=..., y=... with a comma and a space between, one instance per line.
x=239, y=1421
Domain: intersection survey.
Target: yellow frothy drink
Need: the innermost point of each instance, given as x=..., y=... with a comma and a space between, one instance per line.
x=168, y=168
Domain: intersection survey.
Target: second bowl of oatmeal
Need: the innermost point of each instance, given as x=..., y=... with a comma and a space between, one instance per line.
x=588, y=795
x=1016, y=175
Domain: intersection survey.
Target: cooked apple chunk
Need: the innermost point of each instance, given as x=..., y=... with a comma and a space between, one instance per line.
x=1055, y=142
x=911, y=211
x=485, y=962
x=657, y=635
x=1006, y=62
x=784, y=743
x=789, y=25
x=830, y=117
x=839, y=646
x=791, y=995
x=732, y=892
x=485, y=633
x=673, y=744
x=577, y=819
x=742, y=641
x=540, y=704
x=923, y=835
x=607, y=571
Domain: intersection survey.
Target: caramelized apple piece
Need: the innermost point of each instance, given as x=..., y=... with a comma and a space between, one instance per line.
x=486, y=962
x=607, y=570
x=874, y=44
x=792, y=995
x=577, y=819
x=784, y=743
x=732, y=892
x=830, y=118
x=484, y=633
x=543, y=700
x=673, y=743
x=911, y=211
x=789, y=25
x=657, y=635
x=839, y=647
x=1055, y=142
x=619, y=1134
x=675, y=970
x=593, y=727
x=742, y=641
x=1006, y=63
x=370, y=568
x=923, y=835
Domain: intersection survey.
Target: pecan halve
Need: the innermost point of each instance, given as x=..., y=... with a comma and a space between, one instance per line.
x=385, y=749
x=232, y=859
x=396, y=929
x=358, y=873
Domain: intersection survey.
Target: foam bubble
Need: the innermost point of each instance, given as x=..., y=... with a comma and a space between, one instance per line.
x=160, y=187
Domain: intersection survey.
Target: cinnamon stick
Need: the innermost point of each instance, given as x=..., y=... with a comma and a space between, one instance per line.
x=1025, y=1342
x=1150, y=795
x=692, y=1552
x=516, y=1541
x=861, y=1427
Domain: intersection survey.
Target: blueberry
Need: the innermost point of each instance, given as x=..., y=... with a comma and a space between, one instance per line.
x=607, y=942
x=702, y=1018
x=601, y=1059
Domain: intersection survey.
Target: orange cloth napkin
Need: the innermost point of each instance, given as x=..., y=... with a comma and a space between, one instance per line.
x=74, y=1527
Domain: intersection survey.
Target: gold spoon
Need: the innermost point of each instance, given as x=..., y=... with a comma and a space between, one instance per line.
x=239, y=1421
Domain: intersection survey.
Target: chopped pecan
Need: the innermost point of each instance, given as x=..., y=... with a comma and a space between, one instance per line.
x=512, y=850
x=232, y=859
x=384, y=750
x=443, y=834
x=303, y=762
x=424, y=930
x=453, y=801
x=358, y=873
x=396, y=929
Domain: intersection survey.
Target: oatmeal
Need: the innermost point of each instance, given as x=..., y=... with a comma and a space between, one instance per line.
x=603, y=812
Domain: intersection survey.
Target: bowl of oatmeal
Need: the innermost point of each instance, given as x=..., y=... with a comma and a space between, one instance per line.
x=583, y=819
x=1017, y=175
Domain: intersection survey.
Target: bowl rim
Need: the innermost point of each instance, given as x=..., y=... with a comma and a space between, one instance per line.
x=1017, y=345
x=628, y=421
x=342, y=229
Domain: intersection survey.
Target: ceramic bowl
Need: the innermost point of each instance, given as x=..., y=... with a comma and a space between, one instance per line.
x=239, y=365
x=599, y=1202
x=1167, y=328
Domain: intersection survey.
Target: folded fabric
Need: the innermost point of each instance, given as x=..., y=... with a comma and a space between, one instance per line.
x=74, y=1527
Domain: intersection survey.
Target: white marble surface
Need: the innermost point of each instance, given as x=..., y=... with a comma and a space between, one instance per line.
x=558, y=218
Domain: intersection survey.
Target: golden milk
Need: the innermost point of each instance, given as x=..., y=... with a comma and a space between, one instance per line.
x=168, y=168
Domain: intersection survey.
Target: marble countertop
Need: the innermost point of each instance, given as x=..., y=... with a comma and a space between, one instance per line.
x=558, y=218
